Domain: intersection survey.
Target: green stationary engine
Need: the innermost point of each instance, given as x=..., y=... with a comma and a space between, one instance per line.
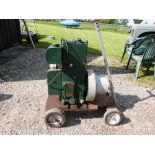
x=67, y=73
x=72, y=87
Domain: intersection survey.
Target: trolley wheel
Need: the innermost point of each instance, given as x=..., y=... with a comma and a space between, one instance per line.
x=113, y=118
x=55, y=117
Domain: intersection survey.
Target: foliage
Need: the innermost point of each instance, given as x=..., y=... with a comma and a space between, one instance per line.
x=123, y=21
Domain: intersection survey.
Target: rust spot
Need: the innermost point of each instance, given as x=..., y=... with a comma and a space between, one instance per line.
x=53, y=101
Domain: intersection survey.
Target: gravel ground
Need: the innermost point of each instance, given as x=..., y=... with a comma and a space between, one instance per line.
x=23, y=94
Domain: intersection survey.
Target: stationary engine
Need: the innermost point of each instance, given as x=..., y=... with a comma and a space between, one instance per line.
x=71, y=87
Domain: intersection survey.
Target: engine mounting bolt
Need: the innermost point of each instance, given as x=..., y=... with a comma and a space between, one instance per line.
x=70, y=65
x=81, y=101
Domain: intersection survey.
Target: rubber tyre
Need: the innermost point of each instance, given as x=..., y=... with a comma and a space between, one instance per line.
x=55, y=117
x=110, y=115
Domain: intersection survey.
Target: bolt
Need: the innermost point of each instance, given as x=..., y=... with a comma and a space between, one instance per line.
x=70, y=65
x=81, y=101
x=62, y=101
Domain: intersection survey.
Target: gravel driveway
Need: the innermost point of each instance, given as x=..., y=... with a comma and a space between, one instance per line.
x=23, y=94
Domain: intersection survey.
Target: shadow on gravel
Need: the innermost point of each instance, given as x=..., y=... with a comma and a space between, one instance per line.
x=5, y=97
x=126, y=102
x=129, y=101
x=12, y=53
x=74, y=118
x=30, y=64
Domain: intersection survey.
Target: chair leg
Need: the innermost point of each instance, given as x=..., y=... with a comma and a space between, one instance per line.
x=154, y=70
x=123, y=55
x=148, y=68
x=124, y=52
x=137, y=69
x=129, y=62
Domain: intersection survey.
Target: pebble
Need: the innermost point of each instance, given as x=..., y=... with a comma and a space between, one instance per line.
x=26, y=81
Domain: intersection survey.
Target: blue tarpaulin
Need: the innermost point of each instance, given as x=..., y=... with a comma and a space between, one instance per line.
x=70, y=22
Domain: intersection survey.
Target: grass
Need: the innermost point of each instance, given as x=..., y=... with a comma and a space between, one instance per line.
x=114, y=43
x=90, y=26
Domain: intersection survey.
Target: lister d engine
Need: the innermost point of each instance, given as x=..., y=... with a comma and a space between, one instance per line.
x=71, y=87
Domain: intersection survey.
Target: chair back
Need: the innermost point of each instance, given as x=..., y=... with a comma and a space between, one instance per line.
x=149, y=54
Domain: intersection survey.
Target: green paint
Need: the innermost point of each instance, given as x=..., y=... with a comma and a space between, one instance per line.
x=72, y=57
